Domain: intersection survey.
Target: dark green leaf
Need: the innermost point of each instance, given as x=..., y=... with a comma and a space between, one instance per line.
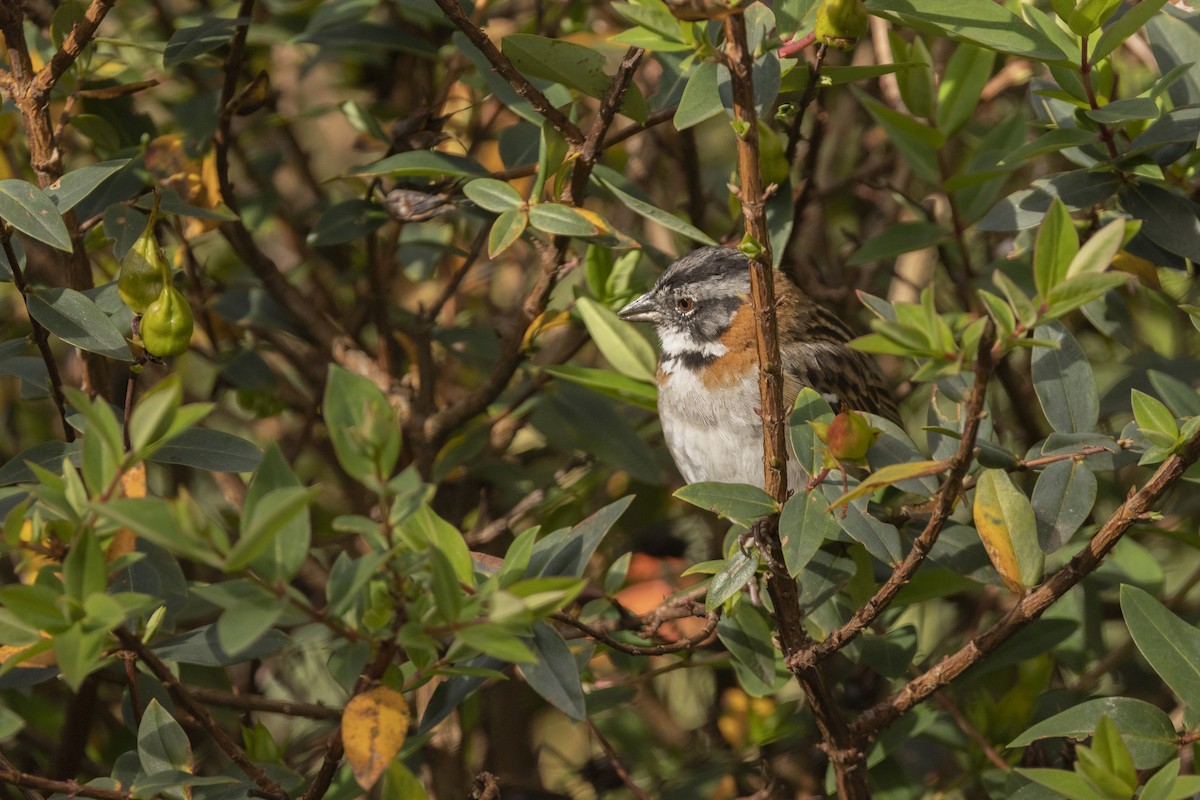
x=423, y=163
x=915, y=141
x=31, y=211
x=1124, y=26
x=554, y=674
x=189, y=43
x=161, y=742
x=804, y=524
x=1180, y=398
x=1147, y=730
x=747, y=634
x=562, y=220
x=1062, y=500
x=1168, y=219
x=47, y=455
x=347, y=221
x=731, y=578
x=1170, y=645
x=1063, y=381
x=1051, y=142
x=200, y=647
x=215, y=451
x=639, y=393
x=362, y=426
x=649, y=210
x=74, y=318
x=898, y=238
x=507, y=228
x=566, y=552
x=1118, y=111
x=570, y=64
x=493, y=195
x=70, y=189
x=963, y=79
x=738, y=501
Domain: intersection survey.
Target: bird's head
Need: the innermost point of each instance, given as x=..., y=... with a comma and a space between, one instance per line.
x=694, y=301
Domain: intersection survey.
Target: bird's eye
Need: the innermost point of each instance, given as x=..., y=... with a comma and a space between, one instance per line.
x=685, y=304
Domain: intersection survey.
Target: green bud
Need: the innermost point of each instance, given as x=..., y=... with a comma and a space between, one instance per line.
x=841, y=23
x=166, y=326
x=144, y=271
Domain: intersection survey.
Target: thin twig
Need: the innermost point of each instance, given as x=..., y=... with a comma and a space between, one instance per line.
x=618, y=766
x=183, y=695
x=944, y=503
x=601, y=636
x=69, y=788
x=506, y=70
x=41, y=336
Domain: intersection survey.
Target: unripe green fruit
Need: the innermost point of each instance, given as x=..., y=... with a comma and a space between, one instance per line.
x=841, y=23
x=166, y=325
x=850, y=436
x=144, y=271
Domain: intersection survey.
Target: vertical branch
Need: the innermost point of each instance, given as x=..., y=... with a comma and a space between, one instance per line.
x=41, y=337
x=848, y=761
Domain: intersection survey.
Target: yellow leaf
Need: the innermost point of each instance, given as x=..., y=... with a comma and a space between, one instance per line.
x=133, y=484
x=544, y=322
x=892, y=473
x=35, y=557
x=1008, y=529
x=374, y=726
x=44, y=657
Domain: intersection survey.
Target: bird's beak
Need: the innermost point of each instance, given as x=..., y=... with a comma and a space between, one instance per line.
x=643, y=309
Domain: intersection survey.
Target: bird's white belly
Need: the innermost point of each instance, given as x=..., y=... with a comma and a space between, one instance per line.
x=713, y=435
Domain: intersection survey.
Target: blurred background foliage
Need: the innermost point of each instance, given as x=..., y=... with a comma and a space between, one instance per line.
x=396, y=516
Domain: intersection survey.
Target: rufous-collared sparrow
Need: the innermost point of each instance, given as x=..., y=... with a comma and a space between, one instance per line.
x=708, y=396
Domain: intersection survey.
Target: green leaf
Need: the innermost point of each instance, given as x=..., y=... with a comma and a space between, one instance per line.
x=979, y=22
x=187, y=44
x=507, y=228
x=1062, y=500
x=739, y=502
x=1070, y=785
x=290, y=546
x=31, y=211
x=1113, y=753
x=493, y=195
x=607, y=179
x=561, y=220
x=261, y=523
x=1063, y=381
x=566, y=552
x=423, y=163
x=733, y=576
x=640, y=393
x=1087, y=17
x=570, y=64
x=1118, y=111
x=1146, y=729
x=78, y=653
x=70, y=189
x=620, y=343
x=1080, y=290
x=917, y=143
x=73, y=317
x=201, y=647
x=362, y=427
x=161, y=742
x=1098, y=252
x=346, y=222
x=554, y=674
x=1170, y=645
x=963, y=79
x=215, y=451
x=84, y=570
x=1168, y=219
x=1181, y=399
x=1154, y=420
x=804, y=524
x=747, y=635
x=440, y=535
x=700, y=100
x=1008, y=529
x=1125, y=26
x=898, y=238
x=1051, y=141
x=496, y=641
x=1057, y=244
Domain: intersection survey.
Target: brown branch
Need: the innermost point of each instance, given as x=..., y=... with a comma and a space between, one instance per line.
x=69, y=788
x=41, y=336
x=1035, y=601
x=79, y=37
x=1085, y=71
x=943, y=506
x=506, y=70
x=252, y=702
x=593, y=145
x=618, y=766
x=188, y=701
x=602, y=636
x=849, y=762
